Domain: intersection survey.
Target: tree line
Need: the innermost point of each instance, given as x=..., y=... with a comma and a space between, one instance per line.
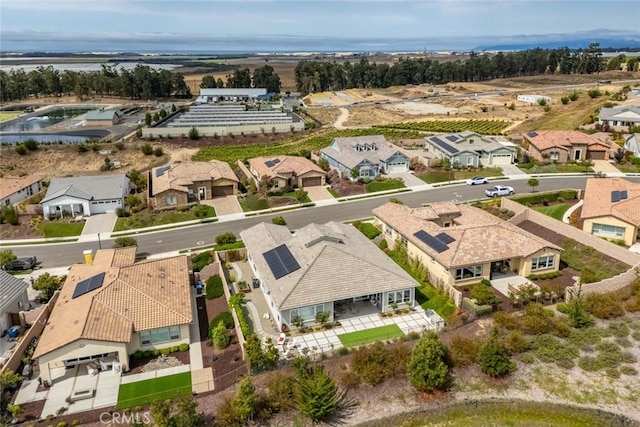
x=313, y=76
x=263, y=77
x=143, y=82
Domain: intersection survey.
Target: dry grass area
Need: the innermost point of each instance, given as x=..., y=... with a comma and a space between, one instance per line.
x=326, y=116
x=64, y=160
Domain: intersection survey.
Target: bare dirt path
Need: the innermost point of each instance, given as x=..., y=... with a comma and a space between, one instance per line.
x=343, y=117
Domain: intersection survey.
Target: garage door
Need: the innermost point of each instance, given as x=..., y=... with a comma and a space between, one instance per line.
x=222, y=190
x=397, y=168
x=313, y=181
x=596, y=155
x=501, y=159
x=104, y=206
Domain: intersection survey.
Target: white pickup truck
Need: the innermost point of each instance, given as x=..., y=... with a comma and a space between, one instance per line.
x=499, y=190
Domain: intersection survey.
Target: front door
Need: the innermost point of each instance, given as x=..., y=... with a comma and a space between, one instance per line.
x=577, y=154
x=202, y=193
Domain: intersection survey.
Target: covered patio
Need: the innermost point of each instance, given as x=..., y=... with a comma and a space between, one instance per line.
x=356, y=307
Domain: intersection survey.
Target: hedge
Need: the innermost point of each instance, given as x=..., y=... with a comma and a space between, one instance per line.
x=224, y=317
x=201, y=260
x=368, y=229
x=235, y=302
x=139, y=354
x=214, y=287
x=539, y=198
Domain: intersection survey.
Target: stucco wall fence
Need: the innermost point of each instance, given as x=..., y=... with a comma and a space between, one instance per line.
x=611, y=284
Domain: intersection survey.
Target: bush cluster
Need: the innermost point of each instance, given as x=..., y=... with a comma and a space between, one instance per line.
x=376, y=362
x=540, y=198
x=368, y=229
x=201, y=260
x=235, y=302
x=214, y=287
x=225, y=317
x=605, y=305
x=140, y=354
x=225, y=238
x=544, y=276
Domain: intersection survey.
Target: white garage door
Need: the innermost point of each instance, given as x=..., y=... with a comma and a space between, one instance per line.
x=397, y=167
x=103, y=206
x=501, y=159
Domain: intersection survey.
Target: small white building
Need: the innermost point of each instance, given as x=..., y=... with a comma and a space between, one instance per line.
x=85, y=195
x=16, y=189
x=229, y=94
x=532, y=99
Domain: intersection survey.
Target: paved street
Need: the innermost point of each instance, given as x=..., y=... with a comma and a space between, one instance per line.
x=204, y=234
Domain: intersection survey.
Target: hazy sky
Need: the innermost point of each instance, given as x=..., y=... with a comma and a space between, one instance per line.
x=25, y=23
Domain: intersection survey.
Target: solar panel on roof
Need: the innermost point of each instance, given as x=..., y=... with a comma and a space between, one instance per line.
x=445, y=238
x=623, y=195
x=615, y=196
x=452, y=138
x=88, y=285
x=281, y=261
x=532, y=134
x=431, y=241
x=440, y=143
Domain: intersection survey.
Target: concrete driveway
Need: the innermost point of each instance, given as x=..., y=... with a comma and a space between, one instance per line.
x=511, y=170
x=410, y=180
x=100, y=223
x=605, y=167
x=318, y=193
x=227, y=205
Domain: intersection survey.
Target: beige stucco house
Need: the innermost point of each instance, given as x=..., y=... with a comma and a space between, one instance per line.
x=562, y=146
x=16, y=189
x=112, y=307
x=460, y=244
x=292, y=171
x=611, y=209
x=187, y=182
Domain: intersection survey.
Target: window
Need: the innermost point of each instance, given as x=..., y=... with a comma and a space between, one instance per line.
x=389, y=230
x=542, y=262
x=468, y=272
x=307, y=313
x=399, y=297
x=171, y=200
x=160, y=335
x=555, y=156
x=607, y=230
x=276, y=183
x=365, y=172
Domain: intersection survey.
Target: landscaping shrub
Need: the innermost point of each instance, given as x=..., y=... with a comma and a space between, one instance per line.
x=225, y=238
x=21, y=150
x=165, y=351
x=493, y=359
x=214, y=287
x=549, y=349
x=225, y=317
x=278, y=220
x=183, y=347
x=604, y=305
x=235, y=302
x=516, y=343
x=203, y=211
x=175, y=349
x=201, y=260
x=463, y=350
x=384, y=245
x=280, y=391
x=483, y=294
x=368, y=229
x=505, y=320
x=428, y=368
x=628, y=370
x=372, y=363
x=220, y=336
x=536, y=320
x=349, y=380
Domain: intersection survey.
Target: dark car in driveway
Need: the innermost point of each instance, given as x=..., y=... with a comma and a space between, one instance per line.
x=26, y=263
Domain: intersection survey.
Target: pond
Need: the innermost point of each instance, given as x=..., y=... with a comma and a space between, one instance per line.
x=506, y=413
x=43, y=121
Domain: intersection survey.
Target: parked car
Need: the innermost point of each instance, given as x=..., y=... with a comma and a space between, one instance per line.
x=26, y=263
x=499, y=190
x=477, y=180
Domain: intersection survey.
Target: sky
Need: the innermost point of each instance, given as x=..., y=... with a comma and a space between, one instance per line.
x=70, y=25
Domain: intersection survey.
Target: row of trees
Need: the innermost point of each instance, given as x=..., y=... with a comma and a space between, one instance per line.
x=321, y=76
x=264, y=76
x=143, y=82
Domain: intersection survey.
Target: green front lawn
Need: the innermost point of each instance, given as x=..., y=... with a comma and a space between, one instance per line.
x=384, y=185
x=150, y=219
x=628, y=168
x=436, y=176
x=556, y=211
x=254, y=203
x=147, y=391
x=60, y=229
x=554, y=168
x=367, y=336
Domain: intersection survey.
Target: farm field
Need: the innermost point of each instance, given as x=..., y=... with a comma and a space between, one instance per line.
x=484, y=127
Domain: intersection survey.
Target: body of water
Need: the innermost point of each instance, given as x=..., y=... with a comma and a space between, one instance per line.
x=35, y=123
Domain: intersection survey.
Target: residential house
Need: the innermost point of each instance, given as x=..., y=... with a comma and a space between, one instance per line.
x=628, y=115
x=103, y=117
x=324, y=268
x=365, y=157
x=470, y=149
x=112, y=307
x=632, y=144
x=564, y=145
x=611, y=209
x=287, y=171
x=461, y=245
x=85, y=195
x=13, y=300
x=187, y=182
x=16, y=189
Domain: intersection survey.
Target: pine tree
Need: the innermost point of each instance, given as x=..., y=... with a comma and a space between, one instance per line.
x=317, y=395
x=427, y=366
x=244, y=405
x=493, y=358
